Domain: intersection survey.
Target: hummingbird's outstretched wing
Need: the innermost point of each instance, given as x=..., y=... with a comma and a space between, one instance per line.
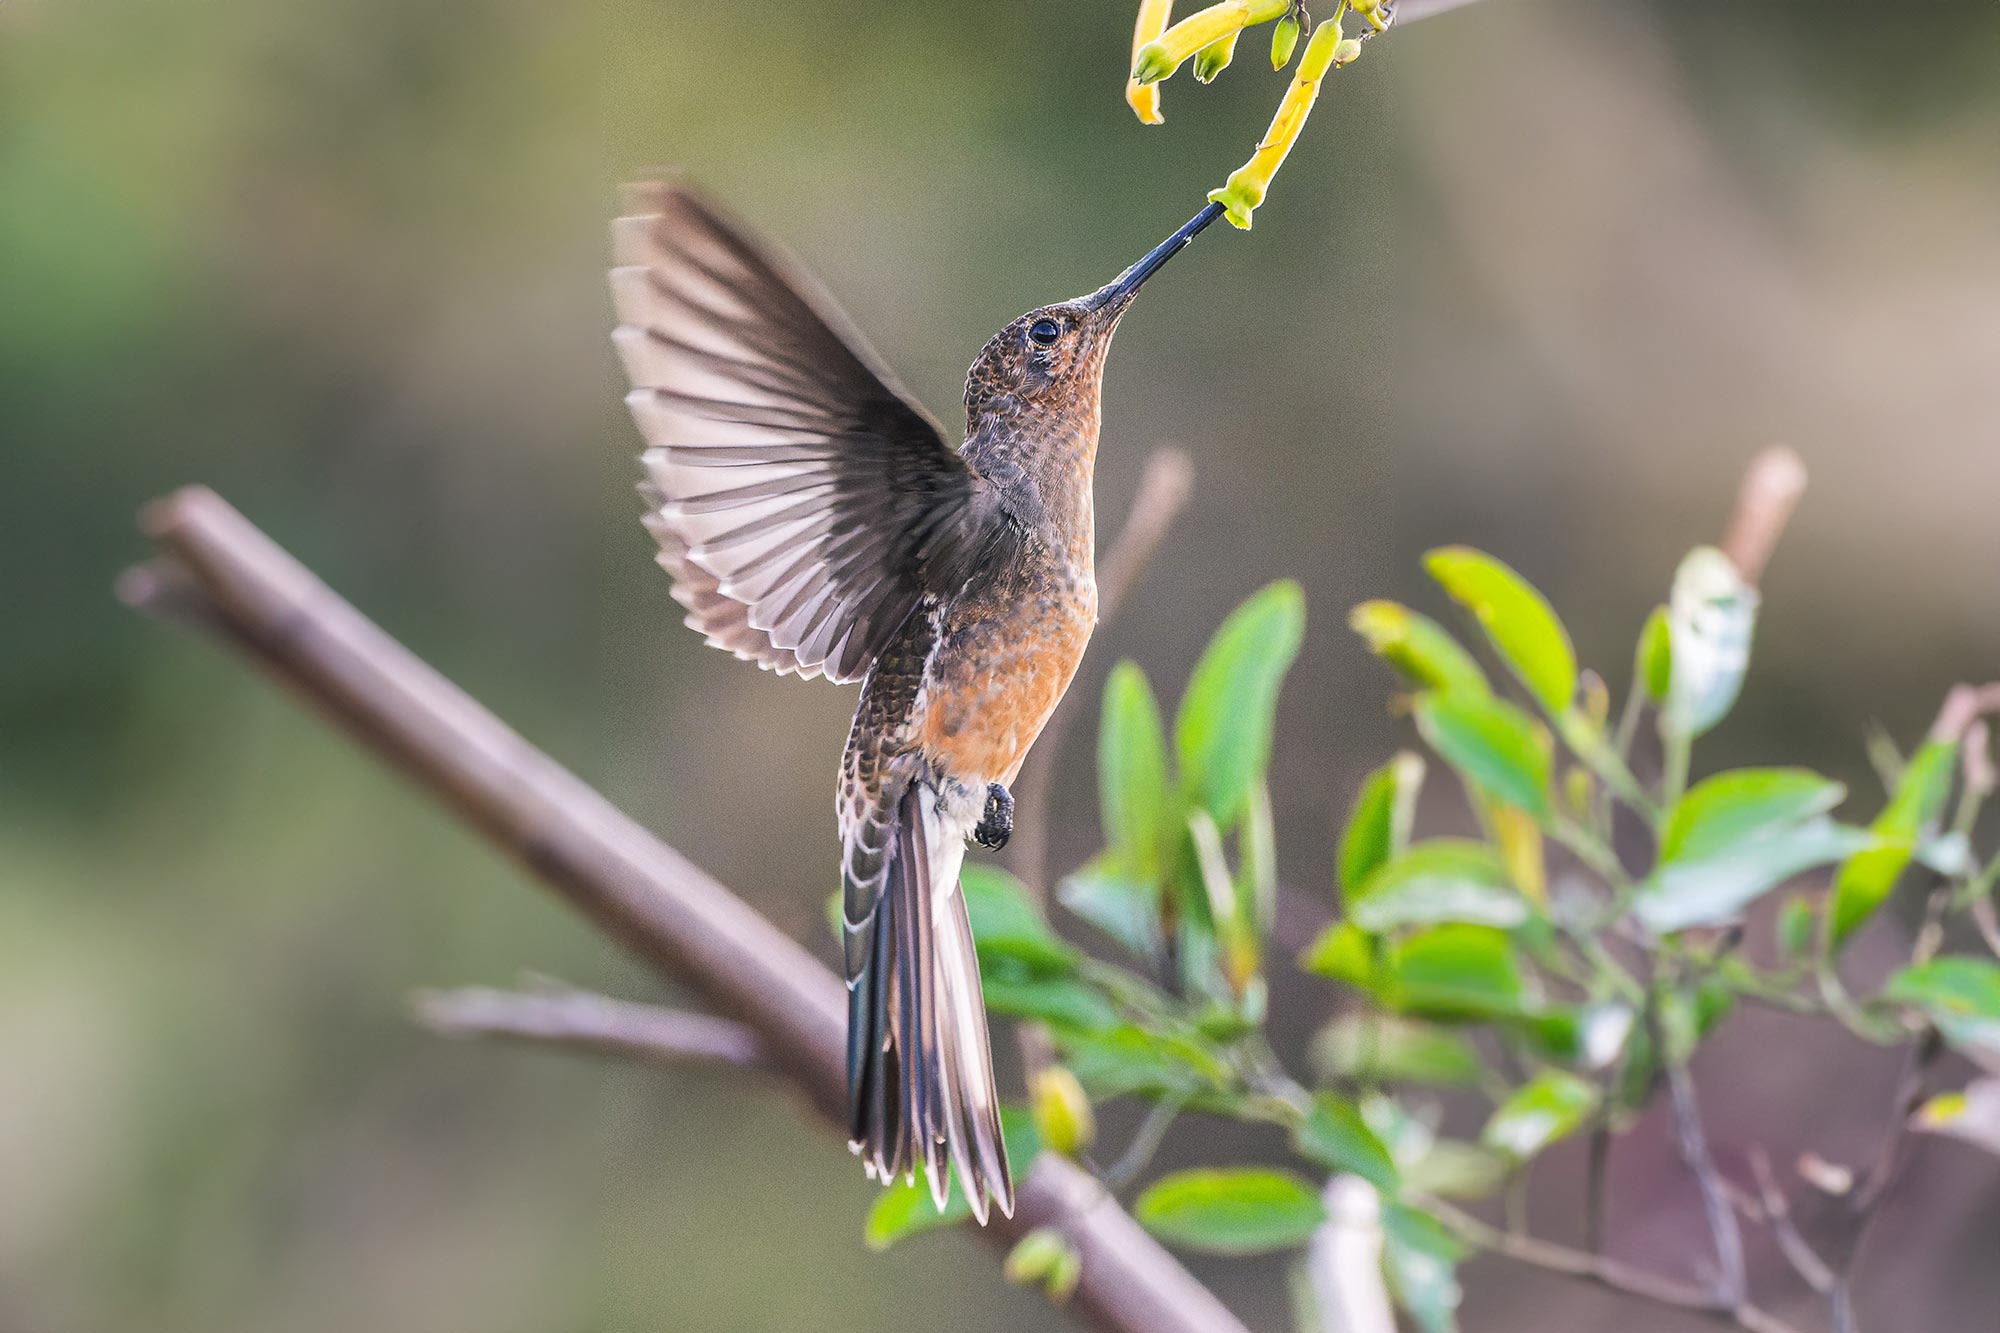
x=803, y=502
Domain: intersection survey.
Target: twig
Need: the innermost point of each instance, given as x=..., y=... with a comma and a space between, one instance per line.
x=1771, y=489
x=1775, y=1211
x=640, y=892
x=586, y=1021
x=1608, y=1273
x=1730, y=1282
x=1163, y=493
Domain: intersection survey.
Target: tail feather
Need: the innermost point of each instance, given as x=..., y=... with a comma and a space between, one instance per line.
x=920, y=1064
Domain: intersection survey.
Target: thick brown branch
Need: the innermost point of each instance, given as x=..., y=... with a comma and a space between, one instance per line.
x=586, y=1021
x=228, y=578
x=1163, y=493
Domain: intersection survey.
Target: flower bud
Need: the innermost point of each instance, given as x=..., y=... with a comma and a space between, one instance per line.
x=1062, y=1110
x=1284, y=41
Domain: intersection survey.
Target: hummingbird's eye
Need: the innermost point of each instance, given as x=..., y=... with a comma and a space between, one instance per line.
x=1045, y=332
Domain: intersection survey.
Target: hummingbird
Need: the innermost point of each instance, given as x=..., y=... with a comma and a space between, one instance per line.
x=816, y=522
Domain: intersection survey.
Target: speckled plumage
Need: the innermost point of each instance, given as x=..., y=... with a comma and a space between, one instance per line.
x=815, y=521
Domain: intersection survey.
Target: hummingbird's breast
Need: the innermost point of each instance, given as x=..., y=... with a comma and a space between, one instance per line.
x=1003, y=657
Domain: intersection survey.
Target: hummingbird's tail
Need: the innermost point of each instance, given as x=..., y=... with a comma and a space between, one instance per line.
x=919, y=1062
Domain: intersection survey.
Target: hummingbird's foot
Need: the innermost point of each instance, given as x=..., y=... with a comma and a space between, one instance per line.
x=996, y=825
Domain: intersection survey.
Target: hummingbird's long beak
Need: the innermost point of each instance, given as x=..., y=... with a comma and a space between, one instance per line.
x=1118, y=293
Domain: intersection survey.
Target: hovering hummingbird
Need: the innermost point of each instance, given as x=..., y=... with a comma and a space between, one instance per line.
x=815, y=521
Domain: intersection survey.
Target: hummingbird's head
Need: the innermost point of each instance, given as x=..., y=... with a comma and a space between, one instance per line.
x=1052, y=359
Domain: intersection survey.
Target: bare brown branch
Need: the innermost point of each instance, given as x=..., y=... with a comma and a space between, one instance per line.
x=1771, y=489
x=586, y=1021
x=1608, y=1273
x=230, y=579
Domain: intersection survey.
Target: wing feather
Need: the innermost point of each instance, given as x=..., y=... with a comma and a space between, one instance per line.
x=803, y=502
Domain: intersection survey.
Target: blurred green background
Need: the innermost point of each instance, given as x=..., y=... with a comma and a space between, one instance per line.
x=1540, y=277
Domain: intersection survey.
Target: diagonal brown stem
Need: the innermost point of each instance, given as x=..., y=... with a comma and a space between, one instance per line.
x=225, y=577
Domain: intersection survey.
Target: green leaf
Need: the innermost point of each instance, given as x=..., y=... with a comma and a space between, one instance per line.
x=1230, y=709
x=1495, y=746
x=1116, y=901
x=1589, y=1036
x=1453, y=1169
x=1128, y=1060
x=1377, y=1048
x=1866, y=881
x=1059, y=1000
x=1334, y=1135
x=1420, y=1259
x=1551, y=1106
x=1797, y=924
x=1420, y=649
x=1711, y=618
x=1715, y=889
x=1972, y=1115
x=1516, y=617
x=1007, y=924
x=905, y=1208
x=1379, y=826
x=1134, y=793
x=1741, y=804
x=1655, y=665
x=1455, y=973
x=1961, y=996
x=1344, y=952
x=1232, y=1211
x=1444, y=879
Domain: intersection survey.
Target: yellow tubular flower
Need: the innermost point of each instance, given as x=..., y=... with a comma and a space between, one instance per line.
x=1246, y=186
x=1212, y=59
x=1165, y=53
x=1144, y=98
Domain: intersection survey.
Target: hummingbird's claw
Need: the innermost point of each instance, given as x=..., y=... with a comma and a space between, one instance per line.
x=996, y=825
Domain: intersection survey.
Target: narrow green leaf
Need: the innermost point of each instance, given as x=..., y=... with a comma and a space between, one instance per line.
x=1134, y=792
x=1518, y=619
x=1456, y=973
x=1549, y=1107
x=905, y=1208
x=1231, y=1211
x=1866, y=881
x=1334, y=1135
x=1379, y=825
x=1443, y=879
x=1378, y=1048
x=1421, y=650
x=1741, y=804
x=1420, y=1259
x=1007, y=924
x=1711, y=618
x=1496, y=747
x=1711, y=890
x=1226, y=718
x=1655, y=665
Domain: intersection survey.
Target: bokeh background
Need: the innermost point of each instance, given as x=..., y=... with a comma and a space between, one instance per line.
x=1541, y=276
